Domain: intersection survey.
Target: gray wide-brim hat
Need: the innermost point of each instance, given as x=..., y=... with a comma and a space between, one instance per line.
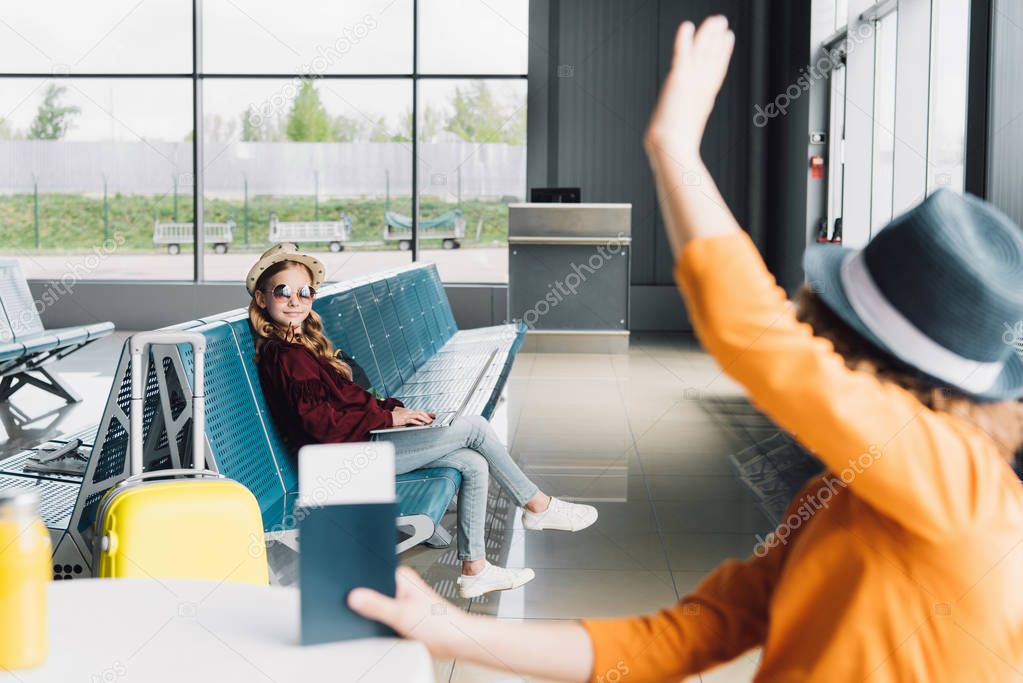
x=940, y=288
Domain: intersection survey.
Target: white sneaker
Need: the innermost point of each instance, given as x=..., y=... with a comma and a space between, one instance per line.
x=493, y=578
x=560, y=515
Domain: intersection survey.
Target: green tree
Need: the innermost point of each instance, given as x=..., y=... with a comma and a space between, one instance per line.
x=352, y=129
x=7, y=132
x=219, y=129
x=308, y=121
x=431, y=123
x=52, y=119
x=478, y=116
x=515, y=126
x=379, y=132
x=404, y=131
x=259, y=128
x=346, y=129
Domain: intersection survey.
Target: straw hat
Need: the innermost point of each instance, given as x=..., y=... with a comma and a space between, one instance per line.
x=283, y=251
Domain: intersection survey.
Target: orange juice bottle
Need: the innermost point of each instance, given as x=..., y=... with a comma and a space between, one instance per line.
x=24, y=575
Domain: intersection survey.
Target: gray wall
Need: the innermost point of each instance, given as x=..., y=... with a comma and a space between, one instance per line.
x=594, y=74
x=151, y=305
x=788, y=210
x=1005, y=129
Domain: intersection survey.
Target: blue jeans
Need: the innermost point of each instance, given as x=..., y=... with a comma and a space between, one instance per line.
x=470, y=446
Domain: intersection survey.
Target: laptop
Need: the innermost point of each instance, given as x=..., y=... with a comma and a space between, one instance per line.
x=444, y=419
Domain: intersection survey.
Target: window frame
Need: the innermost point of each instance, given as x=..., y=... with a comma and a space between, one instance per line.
x=836, y=146
x=198, y=75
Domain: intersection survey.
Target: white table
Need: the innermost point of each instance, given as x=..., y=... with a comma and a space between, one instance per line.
x=123, y=630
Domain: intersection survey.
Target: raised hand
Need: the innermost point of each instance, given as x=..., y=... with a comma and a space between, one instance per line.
x=698, y=69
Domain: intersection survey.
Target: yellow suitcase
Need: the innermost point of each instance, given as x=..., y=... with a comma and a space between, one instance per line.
x=178, y=524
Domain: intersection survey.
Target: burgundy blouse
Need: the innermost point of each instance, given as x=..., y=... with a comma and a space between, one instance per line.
x=311, y=402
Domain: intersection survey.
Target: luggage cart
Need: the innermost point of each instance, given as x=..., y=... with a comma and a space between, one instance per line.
x=334, y=233
x=448, y=227
x=176, y=234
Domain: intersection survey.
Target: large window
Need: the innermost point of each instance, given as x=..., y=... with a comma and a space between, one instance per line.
x=882, y=176
x=903, y=118
x=371, y=131
x=472, y=133
x=308, y=37
x=89, y=166
x=319, y=162
x=946, y=146
x=841, y=13
x=113, y=36
x=468, y=173
x=836, y=150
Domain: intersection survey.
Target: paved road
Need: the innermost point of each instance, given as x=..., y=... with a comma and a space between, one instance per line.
x=460, y=265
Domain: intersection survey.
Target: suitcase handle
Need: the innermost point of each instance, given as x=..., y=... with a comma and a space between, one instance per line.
x=156, y=474
x=139, y=344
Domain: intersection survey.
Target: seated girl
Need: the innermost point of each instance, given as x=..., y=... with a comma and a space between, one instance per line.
x=313, y=399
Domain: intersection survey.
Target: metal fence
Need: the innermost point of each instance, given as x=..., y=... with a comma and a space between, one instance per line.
x=451, y=169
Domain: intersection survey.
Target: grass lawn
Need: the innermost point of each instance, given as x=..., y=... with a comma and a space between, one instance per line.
x=71, y=222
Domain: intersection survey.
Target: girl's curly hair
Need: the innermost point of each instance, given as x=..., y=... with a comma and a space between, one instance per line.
x=1002, y=421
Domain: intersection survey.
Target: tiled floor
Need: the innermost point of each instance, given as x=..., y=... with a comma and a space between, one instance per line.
x=643, y=436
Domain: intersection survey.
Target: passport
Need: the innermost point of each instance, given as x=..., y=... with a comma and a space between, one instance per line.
x=344, y=547
x=347, y=536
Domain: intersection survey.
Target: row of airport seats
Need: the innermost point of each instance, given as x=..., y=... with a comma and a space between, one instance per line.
x=26, y=348
x=397, y=325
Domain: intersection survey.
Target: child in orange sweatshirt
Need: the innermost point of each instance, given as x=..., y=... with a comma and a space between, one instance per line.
x=904, y=560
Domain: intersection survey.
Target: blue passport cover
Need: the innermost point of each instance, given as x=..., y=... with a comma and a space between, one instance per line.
x=344, y=547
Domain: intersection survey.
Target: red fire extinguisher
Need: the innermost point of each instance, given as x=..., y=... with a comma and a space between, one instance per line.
x=817, y=167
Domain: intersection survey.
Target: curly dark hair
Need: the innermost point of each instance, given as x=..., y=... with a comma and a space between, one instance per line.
x=1002, y=421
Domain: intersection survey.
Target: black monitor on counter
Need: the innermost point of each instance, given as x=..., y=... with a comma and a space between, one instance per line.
x=555, y=195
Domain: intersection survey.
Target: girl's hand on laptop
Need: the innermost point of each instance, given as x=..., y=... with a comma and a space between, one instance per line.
x=416, y=612
x=405, y=417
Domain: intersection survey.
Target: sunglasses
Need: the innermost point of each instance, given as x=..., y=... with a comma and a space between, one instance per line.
x=282, y=292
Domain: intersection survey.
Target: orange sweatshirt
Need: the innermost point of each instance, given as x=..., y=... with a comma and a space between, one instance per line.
x=903, y=562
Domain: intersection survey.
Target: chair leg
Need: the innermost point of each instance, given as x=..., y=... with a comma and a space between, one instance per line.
x=6, y=390
x=50, y=382
x=440, y=539
x=419, y=528
x=287, y=538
